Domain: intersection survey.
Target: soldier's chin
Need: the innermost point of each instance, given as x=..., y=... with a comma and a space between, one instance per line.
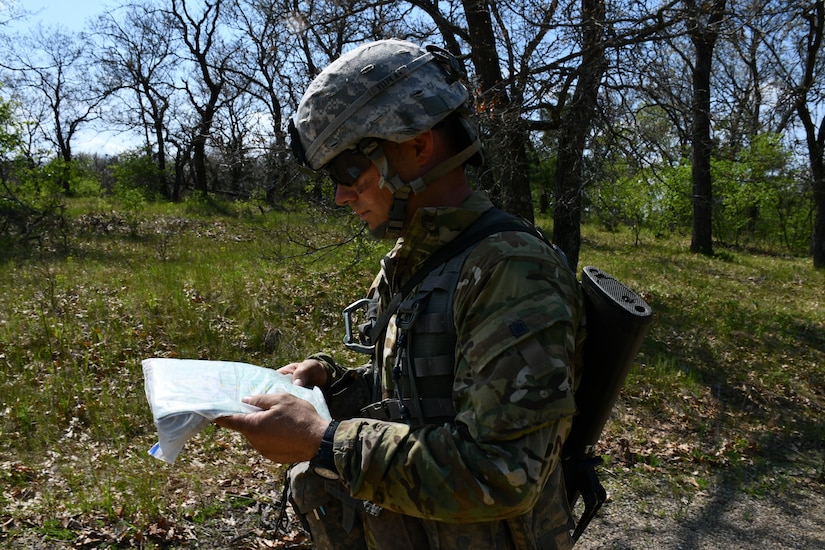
x=379, y=232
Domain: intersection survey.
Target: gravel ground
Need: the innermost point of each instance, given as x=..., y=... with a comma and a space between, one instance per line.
x=715, y=519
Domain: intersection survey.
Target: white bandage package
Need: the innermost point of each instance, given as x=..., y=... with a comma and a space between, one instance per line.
x=185, y=395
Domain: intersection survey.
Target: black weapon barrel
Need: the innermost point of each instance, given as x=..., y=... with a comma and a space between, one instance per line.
x=617, y=321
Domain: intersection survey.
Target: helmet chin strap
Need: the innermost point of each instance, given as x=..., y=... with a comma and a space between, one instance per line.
x=392, y=228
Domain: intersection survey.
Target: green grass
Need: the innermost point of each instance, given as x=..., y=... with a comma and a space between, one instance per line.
x=76, y=320
x=730, y=382
x=728, y=386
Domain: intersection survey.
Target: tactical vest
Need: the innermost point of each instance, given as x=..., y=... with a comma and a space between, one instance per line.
x=424, y=366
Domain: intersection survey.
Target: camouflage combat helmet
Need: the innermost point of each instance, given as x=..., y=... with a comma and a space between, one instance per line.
x=386, y=90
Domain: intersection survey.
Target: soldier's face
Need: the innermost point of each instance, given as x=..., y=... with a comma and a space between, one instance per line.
x=368, y=201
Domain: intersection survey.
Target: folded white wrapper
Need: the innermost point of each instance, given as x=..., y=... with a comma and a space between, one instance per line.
x=185, y=395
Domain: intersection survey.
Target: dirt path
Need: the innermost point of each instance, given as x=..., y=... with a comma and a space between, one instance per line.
x=715, y=519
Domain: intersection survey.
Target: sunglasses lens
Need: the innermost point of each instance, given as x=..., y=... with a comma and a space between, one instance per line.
x=295, y=143
x=346, y=167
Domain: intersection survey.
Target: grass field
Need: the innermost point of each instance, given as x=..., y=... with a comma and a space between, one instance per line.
x=729, y=382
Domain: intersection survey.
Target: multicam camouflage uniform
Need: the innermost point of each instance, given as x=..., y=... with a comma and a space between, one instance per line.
x=490, y=478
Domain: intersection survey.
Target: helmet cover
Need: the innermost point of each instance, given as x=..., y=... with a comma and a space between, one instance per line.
x=387, y=90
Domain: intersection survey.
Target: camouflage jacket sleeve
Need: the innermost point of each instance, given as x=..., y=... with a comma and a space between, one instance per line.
x=518, y=313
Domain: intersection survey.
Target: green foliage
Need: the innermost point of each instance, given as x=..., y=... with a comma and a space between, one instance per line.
x=9, y=132
x=760, y=199
x=137, y=172
x=84, y=182
x=656, y=199
x=675, y=207
x=32, y=197
x=31, y=204
x=627, y=199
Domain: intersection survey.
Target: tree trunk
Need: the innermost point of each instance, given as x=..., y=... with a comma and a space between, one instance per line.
x=156, y=115
x=818, y=237
x=507, y=175
x=703, y=21
x=702, y=238
x=575, y=125
x=814, y=137
x=207, y=116
x=181, y=160
x=200, y=36
x=199, y=158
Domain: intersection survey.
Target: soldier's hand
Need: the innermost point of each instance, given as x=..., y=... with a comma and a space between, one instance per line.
x=307, y=373
x=287, y=430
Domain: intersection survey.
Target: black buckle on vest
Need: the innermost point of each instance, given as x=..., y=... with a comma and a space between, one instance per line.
x=407, y=314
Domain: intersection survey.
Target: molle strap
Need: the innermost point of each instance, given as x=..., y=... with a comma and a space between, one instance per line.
x=388, y=409
x=426, y=345
x=432, y=323
x=442, y=281
x=435, y=407
x=407, y=315
x=441, y=365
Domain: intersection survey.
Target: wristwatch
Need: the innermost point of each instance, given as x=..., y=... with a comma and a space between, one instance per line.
x=323, y=463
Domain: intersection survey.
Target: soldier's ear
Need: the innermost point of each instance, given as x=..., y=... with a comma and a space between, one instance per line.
x=424, y=147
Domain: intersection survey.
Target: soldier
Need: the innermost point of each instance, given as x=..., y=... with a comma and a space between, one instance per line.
x=451, y=437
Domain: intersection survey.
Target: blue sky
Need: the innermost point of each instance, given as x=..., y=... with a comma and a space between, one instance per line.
x=67, y=13
x=72, y=16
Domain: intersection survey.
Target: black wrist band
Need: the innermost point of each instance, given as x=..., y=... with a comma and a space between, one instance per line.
x=323, y=463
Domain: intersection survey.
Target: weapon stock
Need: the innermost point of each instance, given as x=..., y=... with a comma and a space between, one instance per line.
x=617, y=322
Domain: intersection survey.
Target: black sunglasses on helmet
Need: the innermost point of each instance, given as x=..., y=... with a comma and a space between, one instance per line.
x=297, y=148
x=344, y=169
